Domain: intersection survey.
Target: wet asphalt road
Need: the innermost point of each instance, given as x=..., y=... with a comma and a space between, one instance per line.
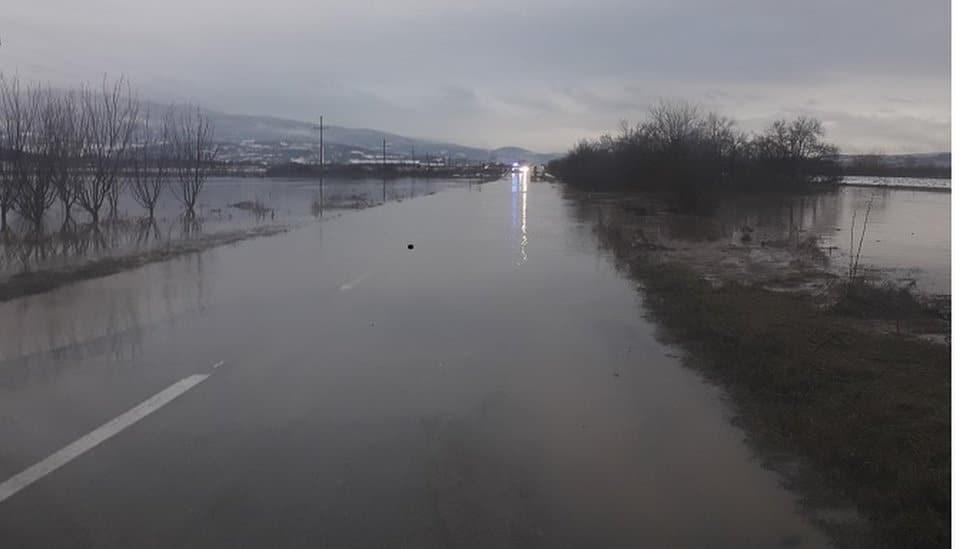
x=495, y=386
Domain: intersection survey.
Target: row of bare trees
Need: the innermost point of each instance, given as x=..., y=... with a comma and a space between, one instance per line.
x=83, y=149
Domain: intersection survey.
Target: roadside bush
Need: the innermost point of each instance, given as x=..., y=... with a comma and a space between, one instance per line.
x=690, y=153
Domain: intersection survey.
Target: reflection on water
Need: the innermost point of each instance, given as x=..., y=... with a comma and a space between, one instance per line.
x=908, y=235
x=99, y=312
x=773, y=217
x=520, y=201
x=88, y=316
x=225, y=205
x=522, y=400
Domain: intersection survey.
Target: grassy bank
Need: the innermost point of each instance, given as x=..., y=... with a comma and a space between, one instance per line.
x=866, y=410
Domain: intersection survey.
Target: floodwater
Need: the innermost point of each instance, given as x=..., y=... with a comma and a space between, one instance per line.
x=907, y=238
x=932, y=183
x=495, y=386
x=265, y=201
x=908, y=235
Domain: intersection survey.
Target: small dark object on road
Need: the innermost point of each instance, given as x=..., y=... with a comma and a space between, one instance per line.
x=409, y=246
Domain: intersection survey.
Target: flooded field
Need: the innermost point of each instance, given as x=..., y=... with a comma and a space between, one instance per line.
x=817, y=365
x=226, y=205
x=933, y=183
x=907, y=238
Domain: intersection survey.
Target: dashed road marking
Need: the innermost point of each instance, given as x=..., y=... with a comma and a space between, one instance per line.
x=352, y=283
x=62, y=457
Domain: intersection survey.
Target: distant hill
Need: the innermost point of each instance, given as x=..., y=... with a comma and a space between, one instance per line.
x=271, y=140
x=939, y=159
x=938, y=165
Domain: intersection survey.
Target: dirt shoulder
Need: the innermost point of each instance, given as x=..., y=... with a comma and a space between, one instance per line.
x=846, y=392
x=39, y=281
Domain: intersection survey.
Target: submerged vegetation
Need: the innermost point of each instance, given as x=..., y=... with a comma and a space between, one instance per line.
x=681, y=149
x=841, y=382
x=83, y=149
x=869, y=410
x=847, y=376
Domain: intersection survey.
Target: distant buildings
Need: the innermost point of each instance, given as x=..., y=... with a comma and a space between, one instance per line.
x=271, y=153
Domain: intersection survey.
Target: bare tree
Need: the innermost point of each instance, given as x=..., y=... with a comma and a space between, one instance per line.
x=194, y=153
x=673, y=124
x=17, y=126
x=150, y=160
x=37, y=191
x=6, y=189
x=7, y=132
x=795, y=148
x=69, y=175
x=115, y=190
x=108, y=122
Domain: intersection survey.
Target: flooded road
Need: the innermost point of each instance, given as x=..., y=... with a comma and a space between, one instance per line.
x=494, y=386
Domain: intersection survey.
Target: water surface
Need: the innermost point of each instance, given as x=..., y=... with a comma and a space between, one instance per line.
x=226, y=204
x=495, y=386
x=907, y=238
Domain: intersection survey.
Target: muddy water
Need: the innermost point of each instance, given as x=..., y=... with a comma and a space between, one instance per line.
x=266, y=201
x=494, y=386
x=907, y=238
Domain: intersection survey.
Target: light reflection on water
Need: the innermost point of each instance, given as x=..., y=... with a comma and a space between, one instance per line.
x=520, y=201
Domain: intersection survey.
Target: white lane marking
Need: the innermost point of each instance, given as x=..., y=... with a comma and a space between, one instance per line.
x=353, y=283
x=38, y=471
x=218, y=365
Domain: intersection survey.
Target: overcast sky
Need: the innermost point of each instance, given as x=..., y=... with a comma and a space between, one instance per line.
x=534, y=73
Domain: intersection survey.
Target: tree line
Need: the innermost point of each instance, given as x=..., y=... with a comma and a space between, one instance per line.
x=681, y=148
x=84, y=148
x=875, y=165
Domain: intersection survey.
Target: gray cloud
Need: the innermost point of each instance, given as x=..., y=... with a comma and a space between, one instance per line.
x=534, y=73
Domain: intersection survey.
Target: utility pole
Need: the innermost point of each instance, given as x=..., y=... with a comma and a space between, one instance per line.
x=384, y=171
x=321, y=164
